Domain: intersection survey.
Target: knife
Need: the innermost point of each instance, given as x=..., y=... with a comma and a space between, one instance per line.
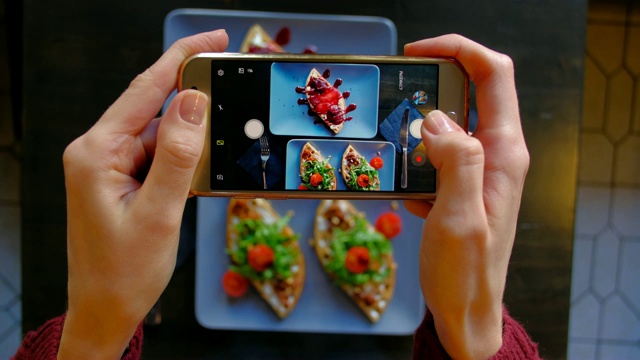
x=404, y=143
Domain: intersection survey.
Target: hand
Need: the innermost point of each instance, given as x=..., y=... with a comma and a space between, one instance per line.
x=470, y=228
x=123, y=231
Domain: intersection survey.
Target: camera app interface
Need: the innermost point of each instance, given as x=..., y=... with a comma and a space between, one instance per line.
x=291, y=126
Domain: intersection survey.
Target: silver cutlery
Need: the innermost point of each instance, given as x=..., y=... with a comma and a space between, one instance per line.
x=404, y=143
x=264, y=156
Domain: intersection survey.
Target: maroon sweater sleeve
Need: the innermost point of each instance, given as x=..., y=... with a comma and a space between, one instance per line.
x=43, y=343
x=516, y=343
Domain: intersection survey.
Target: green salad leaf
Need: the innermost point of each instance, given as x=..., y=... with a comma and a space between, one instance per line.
x=253, y=232
x=323, y=168
x=363, y=168
x=359, y=235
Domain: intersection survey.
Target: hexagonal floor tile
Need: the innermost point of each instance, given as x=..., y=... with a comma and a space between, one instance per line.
x=626, y=211
x=619, y=322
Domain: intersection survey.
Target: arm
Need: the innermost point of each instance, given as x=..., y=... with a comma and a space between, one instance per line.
x=516, y=343
x=43, y=343
x=469, y=229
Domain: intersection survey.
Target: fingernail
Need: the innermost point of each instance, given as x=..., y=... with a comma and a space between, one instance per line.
x=437, y=123
x=193, y=107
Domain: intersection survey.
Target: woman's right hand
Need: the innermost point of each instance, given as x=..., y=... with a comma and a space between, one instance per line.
x=127, y=180
x=470, y=228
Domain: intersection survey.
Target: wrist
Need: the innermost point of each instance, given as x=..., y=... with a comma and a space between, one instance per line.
x=469, y=335
x=89, y=337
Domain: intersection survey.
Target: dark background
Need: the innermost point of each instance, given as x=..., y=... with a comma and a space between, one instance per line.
x=76, y=58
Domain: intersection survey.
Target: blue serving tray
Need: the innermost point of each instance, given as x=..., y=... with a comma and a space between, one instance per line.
x=335, y=148
x=332, y=34
x=287, y=117
x=323, y=307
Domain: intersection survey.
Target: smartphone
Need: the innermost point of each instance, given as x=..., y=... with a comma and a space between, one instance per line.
x=283, y=126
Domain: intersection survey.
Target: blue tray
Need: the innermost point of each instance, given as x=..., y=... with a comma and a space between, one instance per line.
x=287, y=117
x=332, y=34
x=361, y=35
x=335, y=149
x=323, y=307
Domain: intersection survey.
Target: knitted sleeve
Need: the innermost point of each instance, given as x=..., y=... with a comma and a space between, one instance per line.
x=516, y=343
x=43, y=343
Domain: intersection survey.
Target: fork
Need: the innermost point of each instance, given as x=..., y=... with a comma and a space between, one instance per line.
x=264, y=156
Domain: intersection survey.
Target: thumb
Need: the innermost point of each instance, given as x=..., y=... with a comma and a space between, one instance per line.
x=179, y=147
x=459, y=161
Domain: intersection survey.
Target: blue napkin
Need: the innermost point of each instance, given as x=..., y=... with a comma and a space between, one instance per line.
x=390, y=127
x=252, y=163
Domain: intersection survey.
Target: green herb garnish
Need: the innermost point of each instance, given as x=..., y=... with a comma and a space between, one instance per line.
x=253, y=232
x=363, y=168
x=359, y=235
x=323, y=168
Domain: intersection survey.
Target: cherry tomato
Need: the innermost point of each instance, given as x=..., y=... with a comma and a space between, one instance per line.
x=363, y=180
x=261, y=257
x=234, y=284
x=389, y=224
x=357, y=260
x=302, y=187
x=376, y=162
x=316, y=179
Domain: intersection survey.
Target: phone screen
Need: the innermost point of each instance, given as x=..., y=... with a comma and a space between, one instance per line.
x=297, y=126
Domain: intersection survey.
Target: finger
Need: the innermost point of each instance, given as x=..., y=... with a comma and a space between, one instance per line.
x=180, y=141
x=459, y=161
x=499, y=128
x=149, y=136
x=145, y=96
x=148, y=140
x=419, y=208
x=491, y=71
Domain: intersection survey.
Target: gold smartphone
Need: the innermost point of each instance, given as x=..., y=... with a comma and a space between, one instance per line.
x=283, y=126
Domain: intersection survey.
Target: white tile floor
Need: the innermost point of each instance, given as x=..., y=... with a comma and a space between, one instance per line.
x=605, y=300
x=605, y=292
